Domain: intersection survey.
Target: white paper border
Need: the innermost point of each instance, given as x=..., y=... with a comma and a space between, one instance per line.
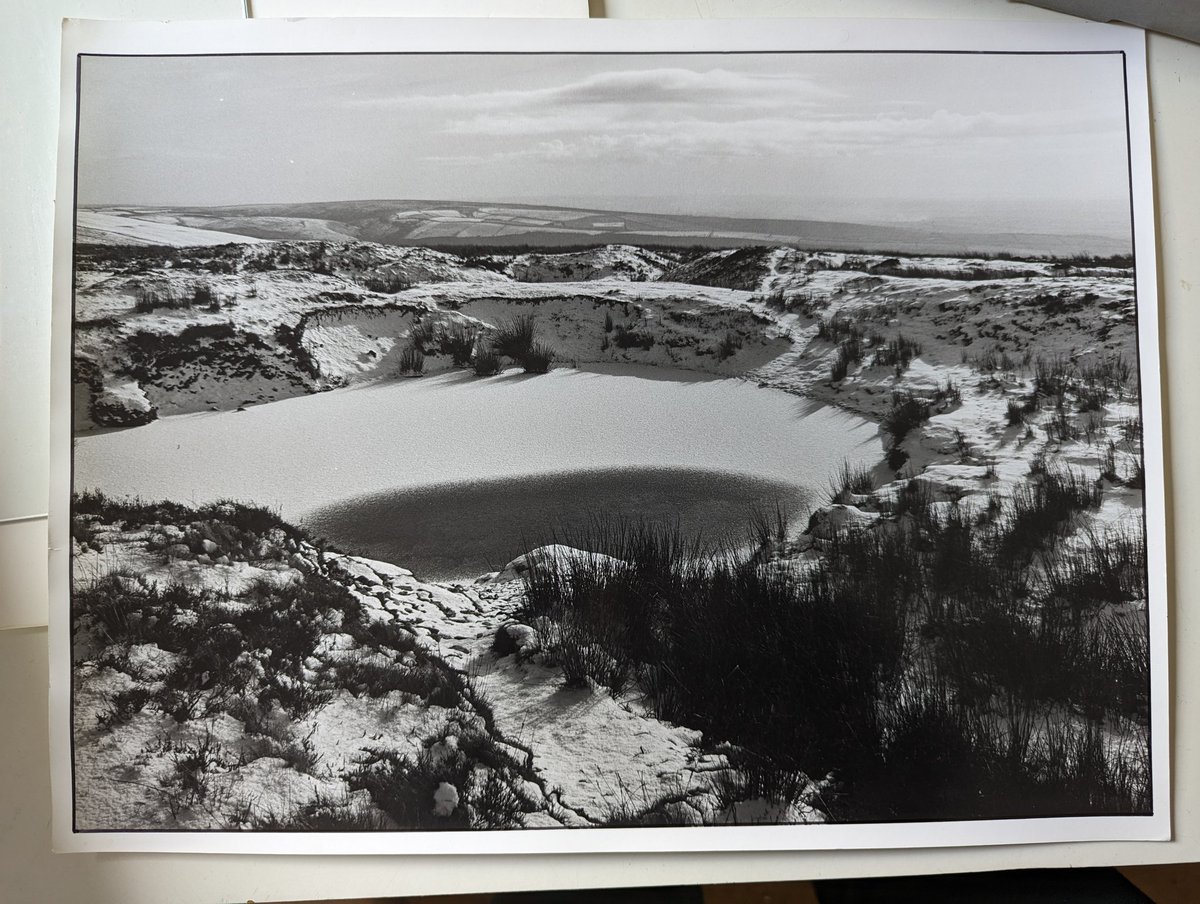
x=614, y=36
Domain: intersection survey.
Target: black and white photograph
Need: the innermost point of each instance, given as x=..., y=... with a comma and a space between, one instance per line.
x=563, y=440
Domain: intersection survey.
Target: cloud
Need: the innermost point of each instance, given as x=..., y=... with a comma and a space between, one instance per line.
x=585, y=135
x=687, y=86
x=744, y=109
x=632, y=114
x=630, y=88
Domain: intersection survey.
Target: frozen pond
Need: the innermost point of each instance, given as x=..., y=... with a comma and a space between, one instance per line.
x=371, y=443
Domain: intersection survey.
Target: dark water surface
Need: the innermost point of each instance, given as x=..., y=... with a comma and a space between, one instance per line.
x=462, y=530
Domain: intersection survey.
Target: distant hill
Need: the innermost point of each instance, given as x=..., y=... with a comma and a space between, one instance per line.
x=451, y=224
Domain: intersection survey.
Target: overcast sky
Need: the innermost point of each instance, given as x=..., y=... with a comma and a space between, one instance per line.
x=832, y=136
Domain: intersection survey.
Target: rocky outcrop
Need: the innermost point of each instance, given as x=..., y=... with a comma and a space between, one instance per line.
x=122, y=405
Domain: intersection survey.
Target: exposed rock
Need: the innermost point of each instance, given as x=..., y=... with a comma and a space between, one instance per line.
x=833, y=519
x=300, y=563
x=554, y=555
x=354, y=569
x=514, y=637
x=445, y=799
x=122, y=405
x=150, y=662
x=445, y=749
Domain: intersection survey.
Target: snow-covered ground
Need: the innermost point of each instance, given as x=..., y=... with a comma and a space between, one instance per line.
x=290, y=318
x=116, y=229
x=791, y=374
x=586, y=757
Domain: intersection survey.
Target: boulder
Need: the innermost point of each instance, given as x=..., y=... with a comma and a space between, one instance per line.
x=122, y=405
x=354, y=569
x=834, y=519
x=514, y=637
x=555, y=555
x=300, y=563
x=445, y=749
x=445, y=799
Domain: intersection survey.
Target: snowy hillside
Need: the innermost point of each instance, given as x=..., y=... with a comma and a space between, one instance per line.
x=169, y=331
x=973, y=603
x=380, y=677
x=468, y=224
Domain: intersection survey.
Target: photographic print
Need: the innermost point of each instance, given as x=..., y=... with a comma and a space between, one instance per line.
x=548, y=438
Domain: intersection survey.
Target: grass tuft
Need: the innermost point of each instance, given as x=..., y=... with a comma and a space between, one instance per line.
x=897, y=352
x=907, y=413
x=849, y=351
x=514, y=338
x=483, y=777
x=851, y=480
x=537, y=359
x=486, y=362
x=458, y=342
x=424, y=335
x=411, y=363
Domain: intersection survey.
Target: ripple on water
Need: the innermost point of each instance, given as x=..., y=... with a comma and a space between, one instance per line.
x=465, y=529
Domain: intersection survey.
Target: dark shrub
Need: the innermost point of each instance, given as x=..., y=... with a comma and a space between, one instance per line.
x=754, y=777
x=121, y=609
x=458, y=342
x=429, y=681
x=624, y=337
x=1051, y=376
x=768, y=526
x=424, y=335
x=729, y=346
x=839, y=327
x=537, y=359
x=514, y=338
x=933, y=765
x=387, y=282
x=896, y=458
x=1108, y=570
x=898, y=352
x=1042, y=509
x=486, y=362
x=849, y=351
x=411, y=363
x=907, y=412
x=856, y=480
x=753, y=656
x=123, y=706
x=83, y=531
x=404, y=787
x=322, y=815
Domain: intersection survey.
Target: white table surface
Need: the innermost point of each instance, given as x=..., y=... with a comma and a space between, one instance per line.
x=29, y=872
